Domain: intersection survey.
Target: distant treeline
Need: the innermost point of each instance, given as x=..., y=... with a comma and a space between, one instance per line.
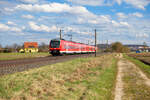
x=16, y=47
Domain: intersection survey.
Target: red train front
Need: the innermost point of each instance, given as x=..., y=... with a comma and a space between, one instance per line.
x=59, y=47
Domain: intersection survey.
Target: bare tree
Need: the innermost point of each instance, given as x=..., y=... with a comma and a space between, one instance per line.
x=1, y=46
x=144, y=43
x=1, y=50
x=145, y=46
x=7, y=49
x=12, y=48
x=43, y=47
x=16, y=47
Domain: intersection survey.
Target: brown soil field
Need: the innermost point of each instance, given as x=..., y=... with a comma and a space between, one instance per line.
x=144, y=57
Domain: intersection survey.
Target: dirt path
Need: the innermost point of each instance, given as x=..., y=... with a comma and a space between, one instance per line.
x=142, y=75
x=131, y=82
x=119, y=82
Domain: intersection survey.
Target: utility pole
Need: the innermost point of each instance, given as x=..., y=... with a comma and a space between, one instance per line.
x=60, y=34
x=71, y=37
x=107, y=44
x=95, y=42
x=88, y=42
x=88, y=45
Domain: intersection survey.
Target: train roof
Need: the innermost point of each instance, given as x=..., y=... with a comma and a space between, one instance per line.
x=57, y=39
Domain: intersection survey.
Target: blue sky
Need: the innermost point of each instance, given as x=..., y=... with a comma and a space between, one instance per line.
x=127, y=21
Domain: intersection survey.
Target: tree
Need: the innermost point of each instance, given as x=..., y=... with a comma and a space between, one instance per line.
x=144, y=45
x=119, y=48
x=1, y=46
x=16, y=47
x=7, y=49
x=43, y=47
x=1, y=50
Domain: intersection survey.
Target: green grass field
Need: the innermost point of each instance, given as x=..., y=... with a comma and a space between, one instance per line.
x=11, y=56
x=78, y=79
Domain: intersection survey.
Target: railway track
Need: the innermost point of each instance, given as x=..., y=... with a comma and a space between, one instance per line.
x=12, y=66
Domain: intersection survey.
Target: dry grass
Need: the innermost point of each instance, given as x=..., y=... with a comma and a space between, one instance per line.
x=10, y=56
x=145, y=68
x=79, y=79
x=141, y=56
x=134, y=85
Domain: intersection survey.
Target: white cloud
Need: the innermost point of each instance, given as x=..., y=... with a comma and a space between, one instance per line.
x=42, y=27
x=29, y=1
x=23, y=27
x=140, y=4
x=124, y=24
x=122, y=15
x=89, y=20
x=4, y=27
x=53, y=7
x=81, y=13
x=78, y=11
x=80, y=20
x=79, y=30
x=142, y=35
x=15, y=29
x=95, y=19
x=105, y=18
x=8, y=10
x=57, y=8
x=28, y=16
x=88, y=2
x=137, y=14
x=120, y=24
x=11, y=23
x=119, y=1
x=115, y=23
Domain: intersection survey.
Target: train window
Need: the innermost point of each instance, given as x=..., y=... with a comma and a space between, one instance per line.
x=55, y=44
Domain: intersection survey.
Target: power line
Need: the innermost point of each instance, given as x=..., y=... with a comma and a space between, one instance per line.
x=95, y=41
x=60, y=34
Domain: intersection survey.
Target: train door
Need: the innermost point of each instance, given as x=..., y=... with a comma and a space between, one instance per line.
x=66, y=47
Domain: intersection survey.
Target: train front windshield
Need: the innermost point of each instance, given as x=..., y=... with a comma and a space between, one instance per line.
x=55, y=44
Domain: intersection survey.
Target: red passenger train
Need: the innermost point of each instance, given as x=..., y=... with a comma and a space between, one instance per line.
x=59, y=47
